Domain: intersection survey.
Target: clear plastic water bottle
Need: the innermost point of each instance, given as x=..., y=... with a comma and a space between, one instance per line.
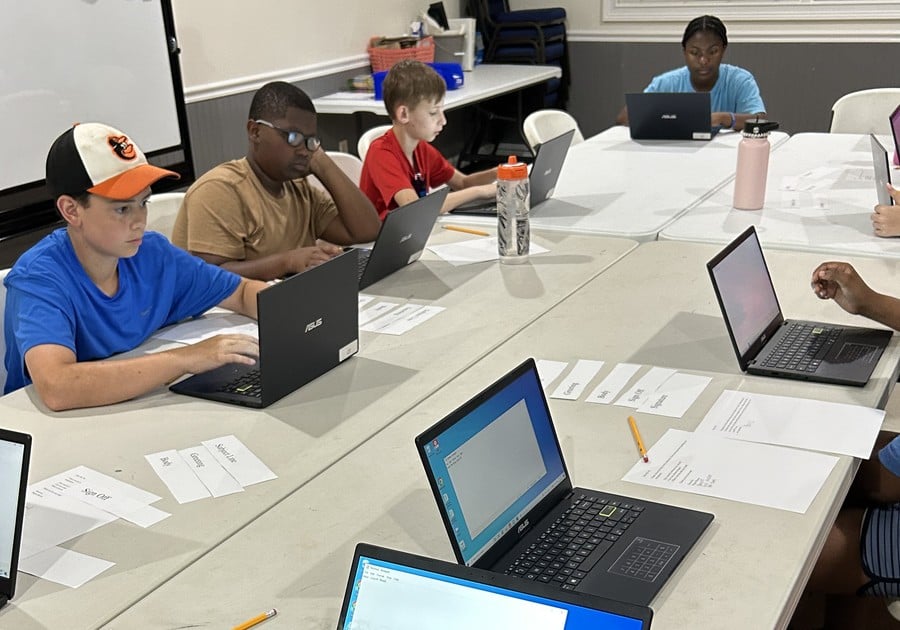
x=752, y=165
x=513, y=204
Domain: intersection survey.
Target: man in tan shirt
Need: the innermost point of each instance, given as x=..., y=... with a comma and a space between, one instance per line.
x=258, y=216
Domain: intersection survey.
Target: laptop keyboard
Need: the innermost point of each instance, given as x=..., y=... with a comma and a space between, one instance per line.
x=247, y=384
x=802, y=347
x=575, y=541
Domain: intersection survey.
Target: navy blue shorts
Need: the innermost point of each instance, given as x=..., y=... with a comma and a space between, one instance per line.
x=880, y=549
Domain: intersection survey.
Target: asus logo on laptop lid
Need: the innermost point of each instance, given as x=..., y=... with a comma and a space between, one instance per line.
x=669, y=116
x=405, y=238
x=313, y=325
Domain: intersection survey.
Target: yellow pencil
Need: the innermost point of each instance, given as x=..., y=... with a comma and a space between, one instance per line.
x=458, y=228
x=257, y=619
x=637, y=438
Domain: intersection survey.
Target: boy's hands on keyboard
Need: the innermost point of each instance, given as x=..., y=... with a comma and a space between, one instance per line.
x=217, y=351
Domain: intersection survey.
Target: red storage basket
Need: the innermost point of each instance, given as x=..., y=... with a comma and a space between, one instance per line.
x=383, y=58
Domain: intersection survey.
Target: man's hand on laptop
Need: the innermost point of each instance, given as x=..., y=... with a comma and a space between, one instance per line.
x=303, y=258
x=217, y=351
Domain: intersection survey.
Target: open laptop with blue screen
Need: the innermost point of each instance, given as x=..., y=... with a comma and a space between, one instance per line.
x=15, y=454
x=669, y=116
x=402, y=591
x=501, y=485
x=768, y=344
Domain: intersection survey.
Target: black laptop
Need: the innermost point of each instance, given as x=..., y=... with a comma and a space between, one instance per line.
x=402, y=238
x=548, y=162
x=308, y=324
x=766, y=343
x=669, y=116
x=501, y=485
x=881, y=162
x=402, y=591
x=15, y=453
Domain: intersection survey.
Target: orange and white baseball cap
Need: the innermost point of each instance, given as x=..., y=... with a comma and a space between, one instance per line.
x=99, y=159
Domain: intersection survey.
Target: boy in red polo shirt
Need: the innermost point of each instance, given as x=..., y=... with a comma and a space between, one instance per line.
x=401, y=165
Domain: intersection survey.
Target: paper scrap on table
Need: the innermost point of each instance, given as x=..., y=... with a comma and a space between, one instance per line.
x=362, y=300
x=234, y=456
x=196, y=330
x=761, y=474
x=614, y=382
x=374, y=312
x=803, y=423
x=475, y=250
x=122, y=506
x=402, y=320
x=181, y=481
x=63, y=566
x=645, y=386
x=548, y=371
x=214, y=477
x=675, y=395
x=574, y=383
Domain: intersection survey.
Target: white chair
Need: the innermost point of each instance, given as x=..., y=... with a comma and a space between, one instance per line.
x=347, y=162
x=162, y=210
x=866, y=111
x=3, y=273
x=366, y=139
x=546, y=124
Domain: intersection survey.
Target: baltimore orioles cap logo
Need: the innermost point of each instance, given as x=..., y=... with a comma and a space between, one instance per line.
x=122, y=147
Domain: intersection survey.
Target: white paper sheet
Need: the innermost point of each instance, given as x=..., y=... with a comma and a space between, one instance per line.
x=645, y=386
x=63, y=566
x=51, y=520
x=403, y=319
x=116, y=503
x=239, y=461
x=799, y=422
x=362, y=300
x=374, y=312
x=610, y=386
x=761, y=474
x=675, y=396
x=574, y=383
x=214, y=477
x=475, y=250
x=210, y=325
x=181, y=481
x=548, y=371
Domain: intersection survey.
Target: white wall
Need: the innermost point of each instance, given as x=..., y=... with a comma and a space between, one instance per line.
x=231, y=46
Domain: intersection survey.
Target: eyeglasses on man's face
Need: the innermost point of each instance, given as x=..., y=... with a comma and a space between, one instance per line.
x=294, y=138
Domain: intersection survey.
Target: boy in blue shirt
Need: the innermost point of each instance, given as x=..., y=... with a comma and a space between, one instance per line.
x=102, y=285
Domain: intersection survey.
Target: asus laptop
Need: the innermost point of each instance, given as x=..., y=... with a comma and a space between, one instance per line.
x=670, y=116
x=402, y=238
x=882, y=165
x=15, y=453
x=766, y=343
x=308, y=324
x=402, y=591
x=548, y=163
x=502, y=488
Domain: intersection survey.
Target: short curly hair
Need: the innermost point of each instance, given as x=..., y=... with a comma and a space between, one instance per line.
x=273, y=99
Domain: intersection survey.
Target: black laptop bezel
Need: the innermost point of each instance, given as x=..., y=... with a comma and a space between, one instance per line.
x=8, y=584
x=524, y=525
x=773, y=326
x=497, y=580
x=881, y=163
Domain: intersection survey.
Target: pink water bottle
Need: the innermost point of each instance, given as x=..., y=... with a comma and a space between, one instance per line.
x=752, y=165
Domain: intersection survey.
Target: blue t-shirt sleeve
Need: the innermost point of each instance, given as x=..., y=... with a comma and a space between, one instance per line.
x=198, y=285
x=746, y=91
x=890, y=456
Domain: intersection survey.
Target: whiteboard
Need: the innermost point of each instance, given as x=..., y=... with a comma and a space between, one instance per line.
x=67, y=61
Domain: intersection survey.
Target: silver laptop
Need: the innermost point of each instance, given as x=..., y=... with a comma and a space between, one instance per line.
x=669, y=116
x=881, y=162
x=402, y=238
x=401, y=591
x=768, y=344
x=501, y=485
x=548, y=163
x=15, y=454
x=308, y=324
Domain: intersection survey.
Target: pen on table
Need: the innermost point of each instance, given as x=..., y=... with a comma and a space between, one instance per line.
x=459, y=228
x=637, y=438
x=257, y=619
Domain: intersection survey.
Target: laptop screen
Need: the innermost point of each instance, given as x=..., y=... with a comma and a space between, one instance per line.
x=746, y=292
x=12, y=468
x=882, y=167
x=895, y=129
x=495, y=463
x=391, y=595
